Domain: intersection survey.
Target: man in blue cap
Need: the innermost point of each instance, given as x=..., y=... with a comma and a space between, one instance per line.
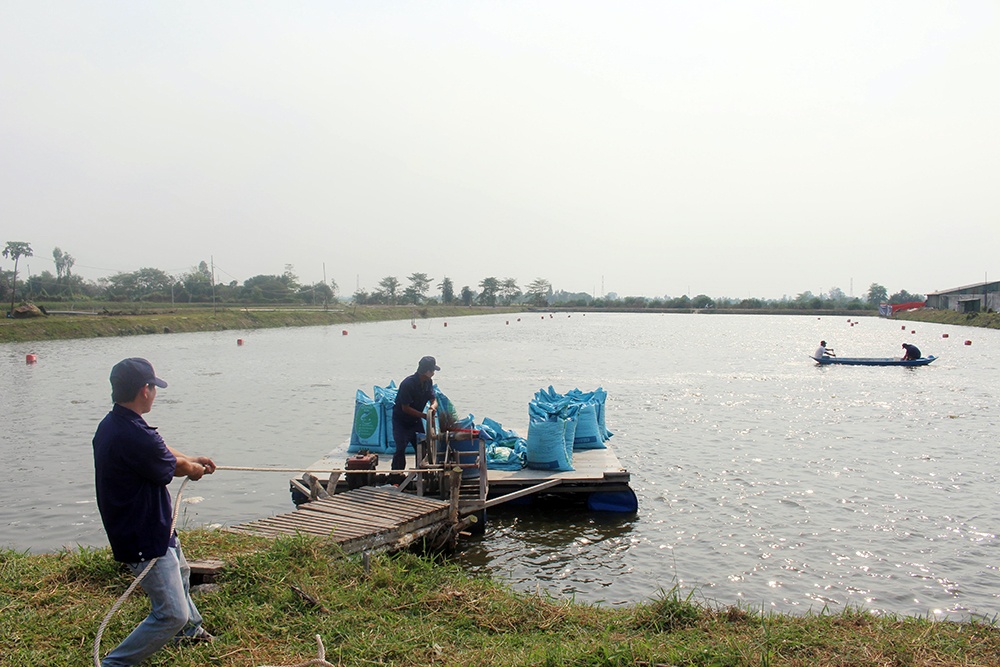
x=133, y=467
x=413, y=395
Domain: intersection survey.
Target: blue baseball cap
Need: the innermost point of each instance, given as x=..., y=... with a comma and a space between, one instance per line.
x=427, y=364
x=131, y=374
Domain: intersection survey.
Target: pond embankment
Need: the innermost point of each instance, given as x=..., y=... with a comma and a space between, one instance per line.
x=132, y=320
x=984, y=320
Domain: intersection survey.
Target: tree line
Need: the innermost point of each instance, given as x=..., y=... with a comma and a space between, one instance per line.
x=200, y=286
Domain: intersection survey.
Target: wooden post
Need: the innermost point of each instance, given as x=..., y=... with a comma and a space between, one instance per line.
x=484, y=485
x=420, y=462
x=331, y=483
x=454, y=483
x=316, y=490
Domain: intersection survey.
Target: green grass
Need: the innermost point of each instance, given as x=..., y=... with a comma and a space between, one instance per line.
x=145, y=319
x=985, y=320
x=408, y=610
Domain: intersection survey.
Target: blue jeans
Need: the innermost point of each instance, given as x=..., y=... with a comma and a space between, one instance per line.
x=168, y=586
x=404, y=436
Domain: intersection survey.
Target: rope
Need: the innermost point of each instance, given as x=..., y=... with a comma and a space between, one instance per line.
x=120, y=601
x=320, y=659
x=315, y=471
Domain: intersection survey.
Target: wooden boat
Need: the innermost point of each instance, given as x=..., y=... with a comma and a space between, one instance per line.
x=873, y=361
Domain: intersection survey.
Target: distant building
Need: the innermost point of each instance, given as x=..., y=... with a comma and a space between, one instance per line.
x=981, y=297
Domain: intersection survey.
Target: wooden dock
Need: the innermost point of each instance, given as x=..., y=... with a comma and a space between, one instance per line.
x=365, y=519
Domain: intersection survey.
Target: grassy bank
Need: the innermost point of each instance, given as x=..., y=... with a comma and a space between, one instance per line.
x=169, y=319
x=273, y=599
x=986, y=320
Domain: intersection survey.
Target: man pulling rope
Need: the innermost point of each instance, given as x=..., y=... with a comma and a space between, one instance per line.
x=133, y=466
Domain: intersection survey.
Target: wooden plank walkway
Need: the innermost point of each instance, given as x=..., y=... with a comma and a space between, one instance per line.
x=364, y=519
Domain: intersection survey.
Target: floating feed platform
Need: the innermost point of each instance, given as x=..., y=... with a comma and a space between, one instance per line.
x=598, y=479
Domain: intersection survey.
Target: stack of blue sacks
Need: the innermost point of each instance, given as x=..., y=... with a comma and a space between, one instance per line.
x=560, y=424
x=372, y=429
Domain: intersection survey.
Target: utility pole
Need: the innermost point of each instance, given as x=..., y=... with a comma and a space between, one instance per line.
x=211, y=258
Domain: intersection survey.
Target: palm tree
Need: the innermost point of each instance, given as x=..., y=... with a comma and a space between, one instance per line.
x=17, y=250
x=488, y=297
x=390, y=287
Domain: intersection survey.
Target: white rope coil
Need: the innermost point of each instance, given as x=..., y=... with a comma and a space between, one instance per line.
x=320, y=659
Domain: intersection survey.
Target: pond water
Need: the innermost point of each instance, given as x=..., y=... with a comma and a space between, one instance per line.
x=763, y=479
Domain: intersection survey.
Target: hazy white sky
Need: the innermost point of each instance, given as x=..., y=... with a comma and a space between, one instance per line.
x=652, y=148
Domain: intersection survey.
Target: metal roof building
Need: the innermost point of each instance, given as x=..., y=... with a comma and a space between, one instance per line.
x=981, y=297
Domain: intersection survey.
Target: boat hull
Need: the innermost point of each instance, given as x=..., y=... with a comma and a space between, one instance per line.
x=874, y=361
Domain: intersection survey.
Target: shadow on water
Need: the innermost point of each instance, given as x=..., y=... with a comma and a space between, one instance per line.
x=557, y=546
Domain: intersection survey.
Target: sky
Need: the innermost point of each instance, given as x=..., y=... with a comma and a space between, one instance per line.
x=734, y=149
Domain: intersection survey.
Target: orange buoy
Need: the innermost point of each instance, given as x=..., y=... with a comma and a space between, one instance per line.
x=239, y=341
x=30, y=359
x=968, y=342
x=344, y=332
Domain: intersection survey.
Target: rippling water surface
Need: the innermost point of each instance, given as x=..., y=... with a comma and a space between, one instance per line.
x=763, y=479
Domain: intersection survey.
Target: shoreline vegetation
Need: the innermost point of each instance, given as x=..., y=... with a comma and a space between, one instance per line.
x=144, y=319
x=273, y=598
x=132, y=320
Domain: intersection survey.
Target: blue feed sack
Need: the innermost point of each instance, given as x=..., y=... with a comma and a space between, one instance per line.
x=588, y=431
x=546, y=447
x=570, y=436
x=447, y=412
x=368, y=430
x=506, y=454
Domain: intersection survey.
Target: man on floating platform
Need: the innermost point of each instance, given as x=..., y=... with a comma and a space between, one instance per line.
x=133, y=467
x=414, y=393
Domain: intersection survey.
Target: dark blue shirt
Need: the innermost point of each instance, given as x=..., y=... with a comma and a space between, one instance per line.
x=133, y=469
x=416, y=392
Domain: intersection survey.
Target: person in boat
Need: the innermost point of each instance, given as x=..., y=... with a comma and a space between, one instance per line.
x=133, y=466
x=911, y=353
x=823, y=351
x=413, y=395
